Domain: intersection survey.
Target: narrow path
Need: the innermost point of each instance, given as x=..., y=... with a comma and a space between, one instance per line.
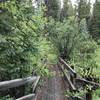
x=55, y=87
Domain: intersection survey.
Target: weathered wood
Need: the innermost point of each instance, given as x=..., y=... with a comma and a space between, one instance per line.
x=72, y=72
x=87, y=82
x=72, y=87
x=27, y=97
x=15, y=83
x=78, y=98
x=89, y=96
x=3, y=1
x=71, y=77
x=35, y=84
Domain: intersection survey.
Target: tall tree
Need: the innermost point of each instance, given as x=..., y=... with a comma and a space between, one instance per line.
x=53, y=8
x=95, y=22
x=70, y=9
x=67, y=10
x=64, y=11
x=83, y=9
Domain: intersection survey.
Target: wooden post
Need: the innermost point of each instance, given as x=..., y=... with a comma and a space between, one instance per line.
x=72, y=87
x=34, y=85
x=71, y=77
x=27, y=97
x=89, y=95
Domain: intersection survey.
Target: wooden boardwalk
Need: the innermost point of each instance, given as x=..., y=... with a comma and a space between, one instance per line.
x=55, y=87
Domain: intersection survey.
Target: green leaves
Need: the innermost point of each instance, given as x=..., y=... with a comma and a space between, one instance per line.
x=62, y=35
x=24, y=48
x=18, y=47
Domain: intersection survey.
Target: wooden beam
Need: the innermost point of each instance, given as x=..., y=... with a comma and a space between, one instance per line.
x=87, y=82
x=15, y=83
x=27, y=97
x=68, y=79
x=89, y=95
x=3, y=1
x=72, y=72
x=35, y=84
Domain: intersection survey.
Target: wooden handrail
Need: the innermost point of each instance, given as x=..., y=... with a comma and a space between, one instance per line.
x=87, y=82
x=35, y=84
x=69, y=82
x=72, y=72
x=15, y=83
x=31, y=96
x=27, y=97
x=2, y=1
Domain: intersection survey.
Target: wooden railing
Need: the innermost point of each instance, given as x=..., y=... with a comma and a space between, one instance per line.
x=71, y=77
x=5, y=85
x=69, y=73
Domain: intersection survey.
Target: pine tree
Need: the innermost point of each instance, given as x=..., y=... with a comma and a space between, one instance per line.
x=95, y=22
x=67, y=10
x=70, y=9
x=64, y=11
x=53, y=8
x=83, y=9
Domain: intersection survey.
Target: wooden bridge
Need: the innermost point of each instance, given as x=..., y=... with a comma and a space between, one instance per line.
x=64, y=78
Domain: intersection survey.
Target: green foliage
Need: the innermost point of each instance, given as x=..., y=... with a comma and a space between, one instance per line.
x=75, y=94
x=16, y=46
x=24, y=41
x=62, y=35
x=24, y=49
x=45, y=57
x=83, y=56
x=97, y=60
x=83, y=9
x=96, y=95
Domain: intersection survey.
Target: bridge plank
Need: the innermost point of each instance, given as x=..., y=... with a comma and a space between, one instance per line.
x=53, y=88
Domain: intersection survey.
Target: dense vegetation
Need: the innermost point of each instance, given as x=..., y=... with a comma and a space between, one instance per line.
x=33, y=37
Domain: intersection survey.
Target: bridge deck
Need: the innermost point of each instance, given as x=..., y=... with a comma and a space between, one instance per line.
x=55, y=87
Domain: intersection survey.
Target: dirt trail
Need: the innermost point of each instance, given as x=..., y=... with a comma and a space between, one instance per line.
x=54, y=88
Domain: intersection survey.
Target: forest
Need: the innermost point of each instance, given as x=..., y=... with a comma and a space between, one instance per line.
x=34, y=34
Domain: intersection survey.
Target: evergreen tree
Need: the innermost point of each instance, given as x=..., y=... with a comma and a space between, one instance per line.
x=67, y=10
x=64, y=11
x=83, y=9
x=95, y=21
x=70, y=9
x=53, y=8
